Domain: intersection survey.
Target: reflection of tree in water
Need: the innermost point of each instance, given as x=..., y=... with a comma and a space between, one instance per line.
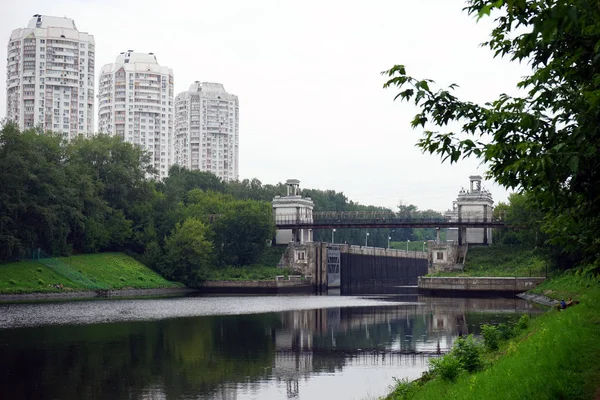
x=224, y=349
x=182, y=356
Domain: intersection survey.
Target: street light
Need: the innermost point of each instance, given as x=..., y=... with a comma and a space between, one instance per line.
x=407, y=242
x=389, y=238
x=366, y=239
x=332, y=233
x=424, y=243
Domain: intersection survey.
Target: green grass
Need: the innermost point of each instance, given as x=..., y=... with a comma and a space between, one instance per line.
x=106, y=270
x=266, y=269
x=29, y=277
x=569, y=284
x=501, y=261
x=556, y=357
x=250, y=273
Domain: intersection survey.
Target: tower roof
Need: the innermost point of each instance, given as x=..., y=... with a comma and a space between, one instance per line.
x=132, y=57
x=47, y=21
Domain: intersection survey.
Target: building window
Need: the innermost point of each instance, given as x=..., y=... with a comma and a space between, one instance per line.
x=300, y=255
x=440, y=255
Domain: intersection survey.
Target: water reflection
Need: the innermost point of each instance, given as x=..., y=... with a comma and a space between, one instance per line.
x=308, y=354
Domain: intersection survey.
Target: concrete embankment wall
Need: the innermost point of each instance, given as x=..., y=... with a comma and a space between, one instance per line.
x=97, y=293
x=476, y=285
x=257, y=287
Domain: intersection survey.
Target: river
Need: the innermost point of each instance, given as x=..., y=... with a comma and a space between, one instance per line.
x=244, y=347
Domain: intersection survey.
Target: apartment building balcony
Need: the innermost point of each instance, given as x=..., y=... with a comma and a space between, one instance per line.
x=147, y=101
x=64, y=53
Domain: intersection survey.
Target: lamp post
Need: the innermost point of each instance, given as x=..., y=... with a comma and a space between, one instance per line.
x=389, y=238
x=366, y=239
x=407, y=242
x=332, y=233
x=424, y=243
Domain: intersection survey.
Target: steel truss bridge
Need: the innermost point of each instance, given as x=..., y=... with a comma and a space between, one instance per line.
x=366, y=219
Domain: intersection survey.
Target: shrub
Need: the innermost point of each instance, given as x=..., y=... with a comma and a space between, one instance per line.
x=523, y=322
x=403, y=389
x=491, y=336
x=467, y=352
x=12, y=281
x=141, y=278
x=505, y=331
x=41, y=282
x=446, y=367
x=122, y=279
x=39, y=269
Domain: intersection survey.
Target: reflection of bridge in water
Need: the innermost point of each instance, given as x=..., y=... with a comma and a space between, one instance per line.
x=359, y=357
x=291, y=366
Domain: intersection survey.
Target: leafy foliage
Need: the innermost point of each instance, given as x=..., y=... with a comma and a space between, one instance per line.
x=467, y=352
x=464, y=356
x=491, y=336
x=188, y=254
x=544, y=143
x=446, y=367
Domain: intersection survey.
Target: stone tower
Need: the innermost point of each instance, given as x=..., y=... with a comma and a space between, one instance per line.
x=293, y=208
x=473, y=204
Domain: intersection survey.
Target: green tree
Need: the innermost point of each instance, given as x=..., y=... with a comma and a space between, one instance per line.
x=188, y=254
x=118, y=197
x=181, y=180
x=38, y=203
x=544, y=143
x=523, y=221
x=241, y=232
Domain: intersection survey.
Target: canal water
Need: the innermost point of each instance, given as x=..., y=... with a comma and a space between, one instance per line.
x=255, y=347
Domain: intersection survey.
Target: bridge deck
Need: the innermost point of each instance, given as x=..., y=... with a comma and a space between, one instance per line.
x=330, y=220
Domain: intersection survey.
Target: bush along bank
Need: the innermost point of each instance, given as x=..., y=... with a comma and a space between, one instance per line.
x=554, y=356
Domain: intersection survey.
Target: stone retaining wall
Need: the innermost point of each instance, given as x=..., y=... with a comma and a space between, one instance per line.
x=291, y=286
x=439, y=285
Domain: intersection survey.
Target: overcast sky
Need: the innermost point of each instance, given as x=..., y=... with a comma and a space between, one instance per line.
x=307, y=74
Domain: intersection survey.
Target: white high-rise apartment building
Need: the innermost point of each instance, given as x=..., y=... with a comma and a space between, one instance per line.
x=50, y=77
x=207, y=130
x=136, y=103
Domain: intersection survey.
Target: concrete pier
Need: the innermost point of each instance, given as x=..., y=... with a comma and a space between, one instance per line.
x=476, y=285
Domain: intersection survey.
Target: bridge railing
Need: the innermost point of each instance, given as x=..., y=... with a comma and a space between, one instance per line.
x=343, y=218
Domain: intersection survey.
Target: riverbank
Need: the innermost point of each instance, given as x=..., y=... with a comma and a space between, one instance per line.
x=118, y=275
x=81, y=273
x=501, y=260
x=555, y=357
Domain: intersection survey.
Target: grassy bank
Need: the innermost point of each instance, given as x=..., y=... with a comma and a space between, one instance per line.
x=265, y=269
x=501, y=261
x=77, y=273
x=250, y=273
x=556, y=357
